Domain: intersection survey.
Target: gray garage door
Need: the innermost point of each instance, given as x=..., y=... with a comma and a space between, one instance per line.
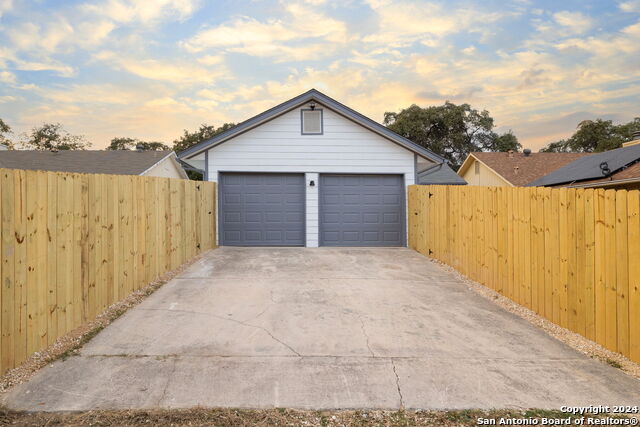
x=262, y=209
x=362, y=210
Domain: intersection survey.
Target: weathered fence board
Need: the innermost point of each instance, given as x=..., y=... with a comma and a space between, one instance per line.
x=569, y=255
x=73, y=244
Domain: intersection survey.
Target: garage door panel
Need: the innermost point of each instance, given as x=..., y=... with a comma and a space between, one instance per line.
x=262, y=209
x=362, y=210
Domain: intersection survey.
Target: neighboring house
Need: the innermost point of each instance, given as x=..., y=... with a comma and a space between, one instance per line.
x=614, y=169
x=512, y=169
x=117, y=162
x=440, y=174
x=311, y=172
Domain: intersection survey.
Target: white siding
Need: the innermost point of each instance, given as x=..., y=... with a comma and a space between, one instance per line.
x=279, y=146
x=484, y=176
x=167, y=168
x=312, y=210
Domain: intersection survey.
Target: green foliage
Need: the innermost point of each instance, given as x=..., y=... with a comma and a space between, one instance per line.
x=5, y=130
x=189, y=139
x=450, y=130
x=131, y=144
x=505, y=142
x=595, y=136
x=52, y=136
x=122, y=144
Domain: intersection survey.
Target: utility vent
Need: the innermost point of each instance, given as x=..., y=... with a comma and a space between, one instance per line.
x=312, y=122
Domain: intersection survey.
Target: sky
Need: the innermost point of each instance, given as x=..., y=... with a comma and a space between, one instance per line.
x=150, y=69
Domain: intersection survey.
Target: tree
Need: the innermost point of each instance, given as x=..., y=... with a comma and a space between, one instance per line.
x=595, y=136
x=5, y=130
x=120, y=143
x=505, y=142
x=52, y=136
x=189, y=139
x=132, y=143
x=450, y=130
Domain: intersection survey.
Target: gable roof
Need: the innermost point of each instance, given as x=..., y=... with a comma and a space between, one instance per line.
x=115, y=162
x=588, y=167
x=311, y=95
x=518, y=169
x=440, y=174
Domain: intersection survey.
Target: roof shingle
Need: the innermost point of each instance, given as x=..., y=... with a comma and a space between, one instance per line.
x=115, y=162
x=520, y=170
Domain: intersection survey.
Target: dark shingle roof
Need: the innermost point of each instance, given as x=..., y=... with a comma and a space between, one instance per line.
x=116, y=162
x=520, y=170
x=440, y=174
x=588, y=167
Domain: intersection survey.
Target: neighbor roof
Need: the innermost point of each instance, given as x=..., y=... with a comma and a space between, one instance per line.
x=311, y=95
x=588, y=167
x=440, y=174
x=518, y=169
x=116, y=162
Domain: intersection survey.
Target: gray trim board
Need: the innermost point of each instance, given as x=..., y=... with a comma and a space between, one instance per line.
x=311, y=95
x=206, y=165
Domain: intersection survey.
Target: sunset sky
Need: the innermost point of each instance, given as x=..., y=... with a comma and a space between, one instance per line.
x=149, y=69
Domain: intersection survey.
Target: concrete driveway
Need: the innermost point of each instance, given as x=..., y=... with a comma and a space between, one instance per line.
x=321, y=328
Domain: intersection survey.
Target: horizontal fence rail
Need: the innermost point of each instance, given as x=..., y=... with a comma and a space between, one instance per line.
x=570, y=255
x=73, y=244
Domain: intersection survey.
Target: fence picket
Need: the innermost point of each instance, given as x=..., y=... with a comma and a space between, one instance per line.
x=566, y=254
x=73, y=244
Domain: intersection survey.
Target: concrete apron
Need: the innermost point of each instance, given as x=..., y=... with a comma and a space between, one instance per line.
x=319, y=329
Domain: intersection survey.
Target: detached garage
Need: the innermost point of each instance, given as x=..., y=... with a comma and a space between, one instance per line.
x=311, y=172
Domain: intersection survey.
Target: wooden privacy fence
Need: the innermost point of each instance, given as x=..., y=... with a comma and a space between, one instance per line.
x=73, y=244
x=570, y=255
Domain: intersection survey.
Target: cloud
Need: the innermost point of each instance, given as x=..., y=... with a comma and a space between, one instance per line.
x=178, y=72
x=576, y=22
x=5, y=6
x=45, y=65
x=142, y=11
x=405, y=22
x=305, y=34
x=630, y=6
x=97, y=94
x=7, y=77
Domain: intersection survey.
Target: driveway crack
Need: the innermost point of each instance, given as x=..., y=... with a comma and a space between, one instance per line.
x=398, y=384
x=364, y=332
x=240, y=322
x=166, y=385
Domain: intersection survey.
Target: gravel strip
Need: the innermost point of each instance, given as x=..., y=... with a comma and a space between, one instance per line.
x=71, y=343
x=572, y=339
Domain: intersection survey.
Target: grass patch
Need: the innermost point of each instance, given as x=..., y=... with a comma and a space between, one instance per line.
x=613, y=363
x=268, y=417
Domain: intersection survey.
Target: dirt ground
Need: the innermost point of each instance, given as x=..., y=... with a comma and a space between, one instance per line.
x=269, y=417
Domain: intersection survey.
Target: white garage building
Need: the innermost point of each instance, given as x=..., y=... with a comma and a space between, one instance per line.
x=311, y=172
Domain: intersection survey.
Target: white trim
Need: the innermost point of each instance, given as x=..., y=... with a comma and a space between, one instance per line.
x=603, y=183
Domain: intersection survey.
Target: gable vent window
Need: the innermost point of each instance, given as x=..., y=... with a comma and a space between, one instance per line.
x=311, y=122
